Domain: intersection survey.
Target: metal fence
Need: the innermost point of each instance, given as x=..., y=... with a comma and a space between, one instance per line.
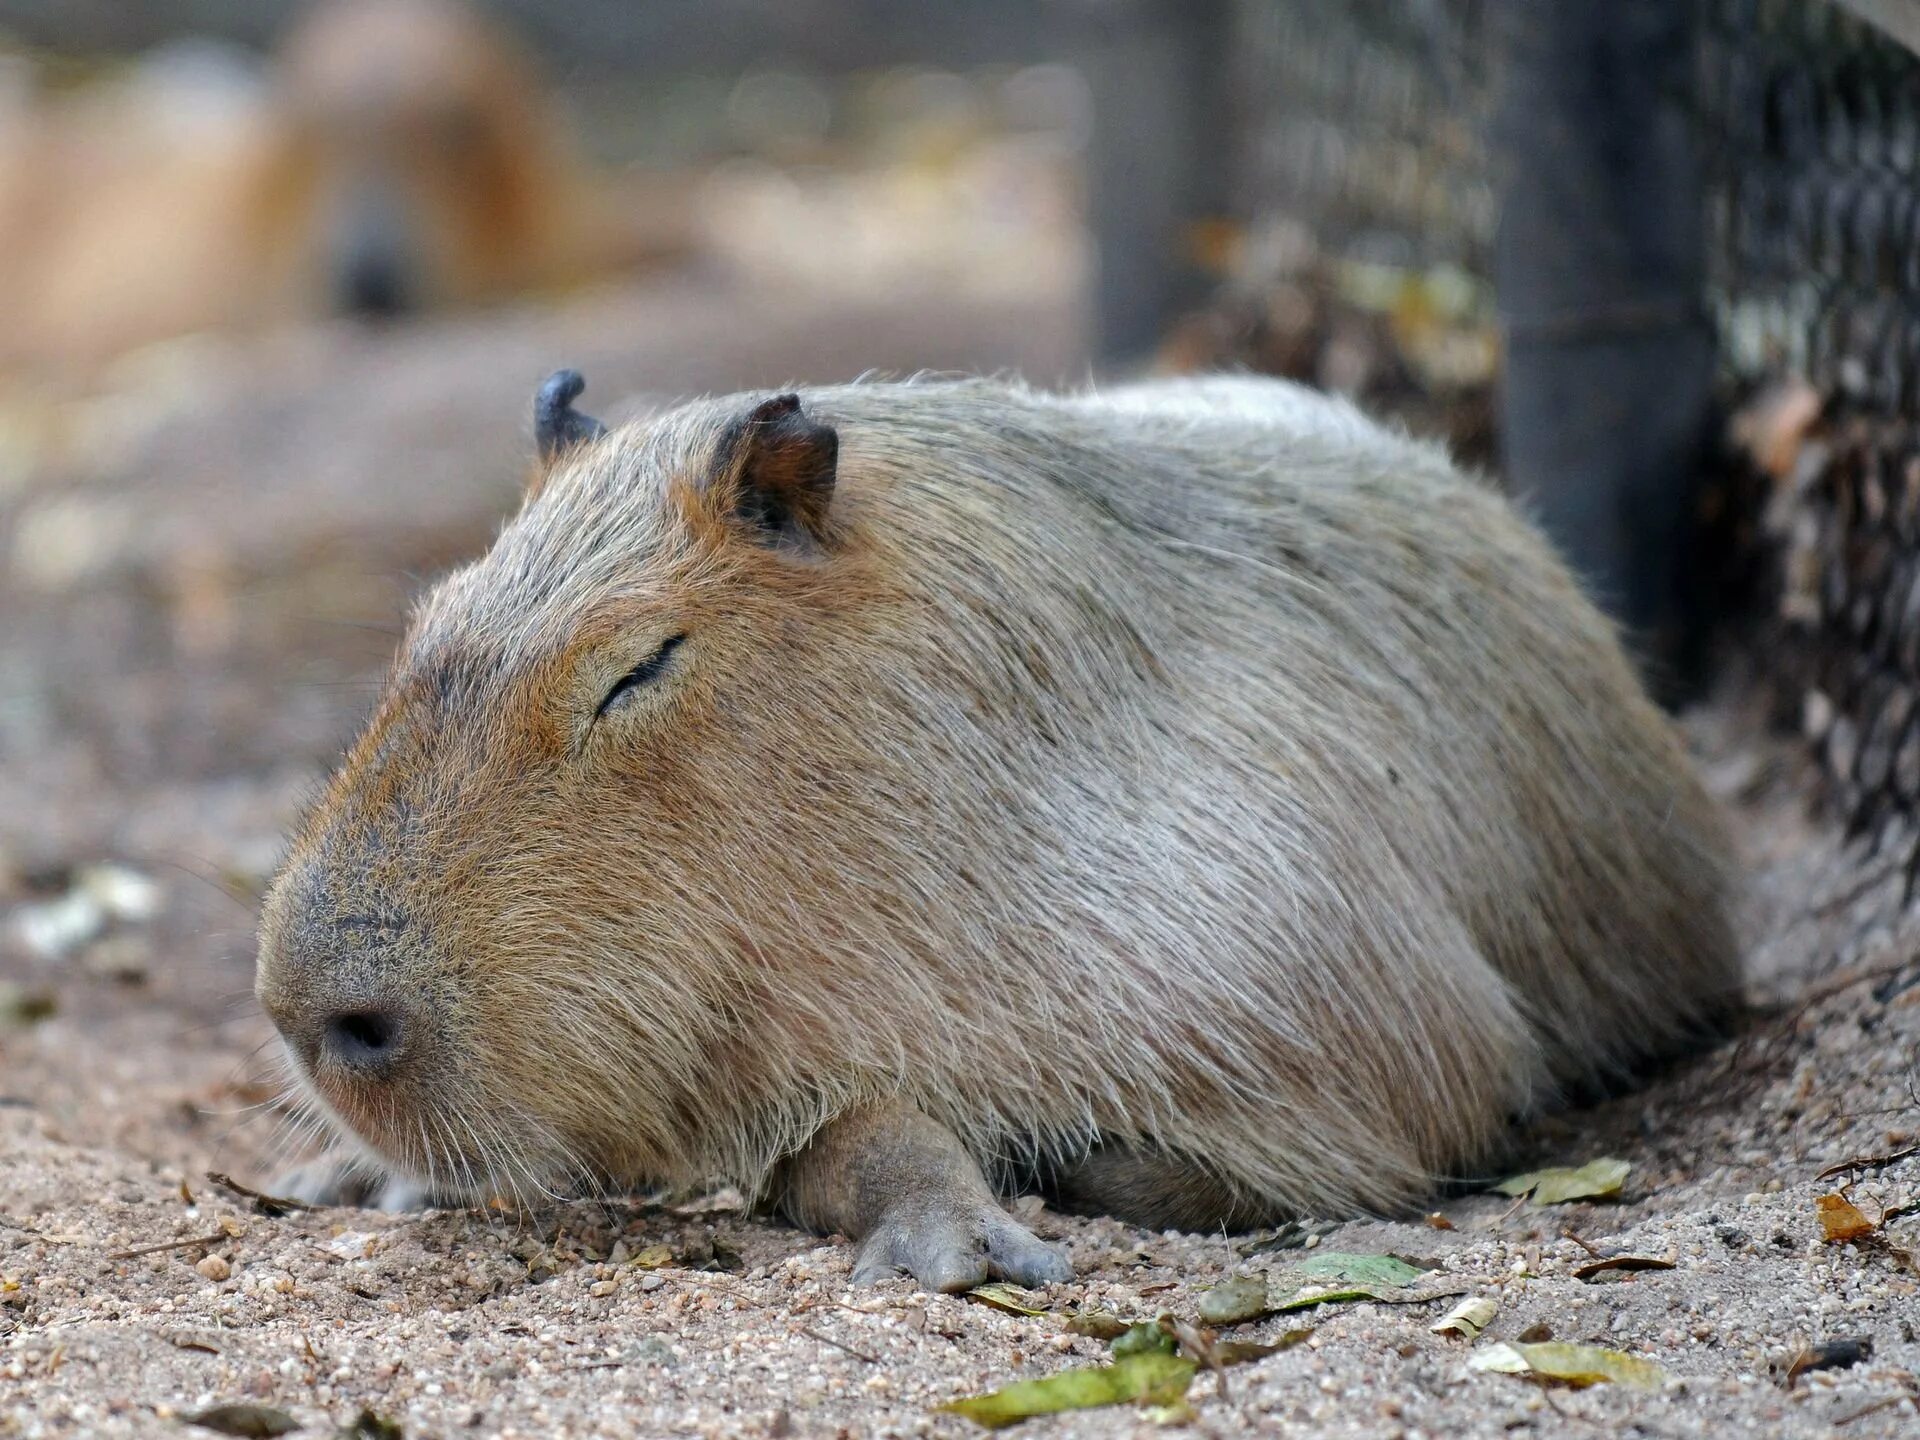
x=1370, y=120
x=1669, y=213
x=1814, y=249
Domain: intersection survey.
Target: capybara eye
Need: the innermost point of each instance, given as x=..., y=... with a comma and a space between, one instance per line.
x=647, y=671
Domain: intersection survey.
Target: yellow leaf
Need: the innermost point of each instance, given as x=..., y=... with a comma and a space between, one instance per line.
x=1576, y=1365
x=1152, y=1377
x=1468, y=1318
x=1005, y=1298
x=1595, y=1180
x=1841, y=1220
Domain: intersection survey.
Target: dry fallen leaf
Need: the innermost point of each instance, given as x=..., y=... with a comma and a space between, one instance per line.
x=251, y=1422
x=1152, y=1377
x=1597, y=1179
x=1379, y=1294
x=1468, y=1318
x=1576, y=1365
x=1869, y=1162
x=1005, y=1298
x=271, y=1206
x=1238, y=1352
x=1291, y=1236
x=1242, y=1298
x=1253, y=1297
x=1826, y=1355
x=1098, y=1324
x=1176, y=1336
x=1620, y=1262
x=1841, y=1221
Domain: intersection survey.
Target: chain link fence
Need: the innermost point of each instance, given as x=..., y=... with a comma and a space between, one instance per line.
x=1373, y=171
x=1813, y=118
x=1372, y=118
x=1360, y=251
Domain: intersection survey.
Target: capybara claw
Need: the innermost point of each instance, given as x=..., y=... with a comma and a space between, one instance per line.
x=949, y=1252
x=1015, y=1253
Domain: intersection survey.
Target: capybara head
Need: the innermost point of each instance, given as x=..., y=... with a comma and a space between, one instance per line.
x=508, y=944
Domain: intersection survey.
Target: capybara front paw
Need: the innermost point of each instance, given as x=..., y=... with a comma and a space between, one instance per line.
x=954, y=1248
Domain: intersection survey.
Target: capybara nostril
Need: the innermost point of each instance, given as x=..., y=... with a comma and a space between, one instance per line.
x=369, y=1041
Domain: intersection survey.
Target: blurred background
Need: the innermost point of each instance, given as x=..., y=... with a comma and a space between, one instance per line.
x=278, y=279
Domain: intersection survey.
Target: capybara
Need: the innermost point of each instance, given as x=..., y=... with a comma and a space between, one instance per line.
x=424, y=164
x=1189, y=799
x=395, y=156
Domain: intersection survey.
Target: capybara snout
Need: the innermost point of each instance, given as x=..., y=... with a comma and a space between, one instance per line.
x=338, y=976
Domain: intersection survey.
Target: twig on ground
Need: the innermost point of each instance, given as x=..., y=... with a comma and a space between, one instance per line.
x=1876, y=875
x=1772, y=1020
x=1846, y=980
x=1869, y=1162
x=271, y=1206
x=219, y=1237
x=1877, y=1406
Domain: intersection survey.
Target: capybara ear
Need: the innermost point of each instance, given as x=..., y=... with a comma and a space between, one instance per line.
x=775, y=469
x=557, y=426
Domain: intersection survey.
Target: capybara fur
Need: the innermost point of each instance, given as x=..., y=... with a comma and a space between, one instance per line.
x=1190, y=798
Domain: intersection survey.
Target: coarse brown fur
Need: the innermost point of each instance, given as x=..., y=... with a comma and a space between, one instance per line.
x=1190, y=793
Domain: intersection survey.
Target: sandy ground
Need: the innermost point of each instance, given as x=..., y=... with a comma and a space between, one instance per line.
x=196, y=605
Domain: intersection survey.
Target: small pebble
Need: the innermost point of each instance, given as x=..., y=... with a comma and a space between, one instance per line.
x=215, y=1268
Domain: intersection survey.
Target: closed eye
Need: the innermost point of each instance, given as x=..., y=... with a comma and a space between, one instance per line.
x=644, y=673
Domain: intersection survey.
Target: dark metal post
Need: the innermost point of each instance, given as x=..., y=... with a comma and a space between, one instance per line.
x=1599, y=266
x=1158, y=161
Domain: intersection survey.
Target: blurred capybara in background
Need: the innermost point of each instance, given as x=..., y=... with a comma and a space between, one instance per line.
x=396, y=155
x=423, y=164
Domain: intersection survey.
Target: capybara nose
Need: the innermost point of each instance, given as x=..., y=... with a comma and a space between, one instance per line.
x=371, y=260
x=375, y=286
x=369, y=1042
